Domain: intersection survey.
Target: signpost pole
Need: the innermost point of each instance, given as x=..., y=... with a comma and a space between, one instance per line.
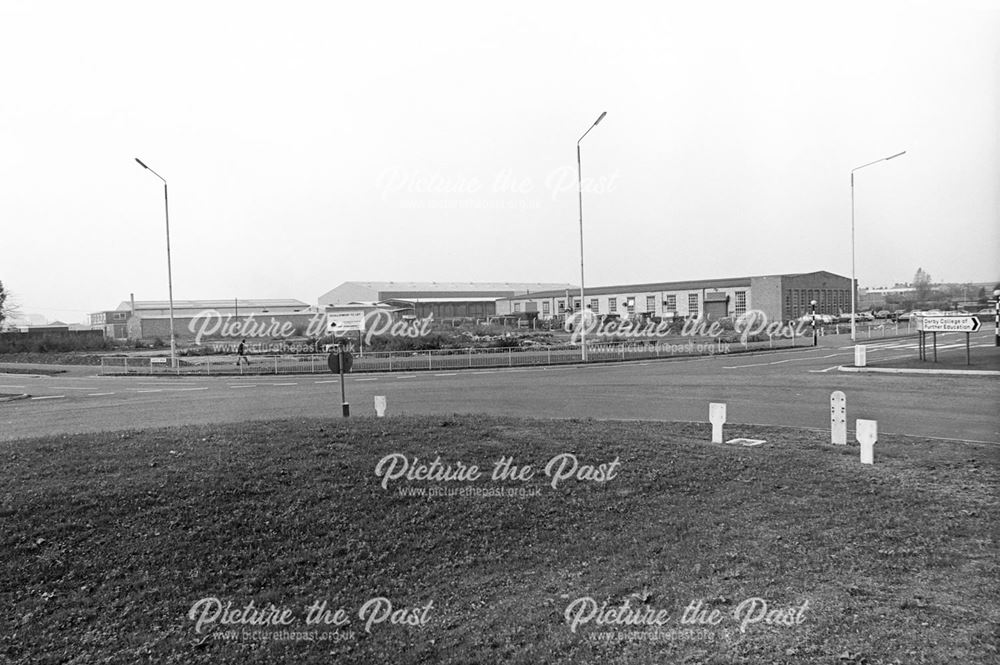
x=345, y=407
x=935, y=345
x=968, y=359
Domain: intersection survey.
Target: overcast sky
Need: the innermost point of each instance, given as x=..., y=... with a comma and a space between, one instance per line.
x=307, y=144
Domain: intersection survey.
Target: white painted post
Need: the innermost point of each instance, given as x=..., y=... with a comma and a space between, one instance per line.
x=867, y=433
x=860, y=355
x=717, y=416
x=380, y=406
x=838, y=418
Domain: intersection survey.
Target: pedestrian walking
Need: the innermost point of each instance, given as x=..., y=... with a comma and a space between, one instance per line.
x=241, y=353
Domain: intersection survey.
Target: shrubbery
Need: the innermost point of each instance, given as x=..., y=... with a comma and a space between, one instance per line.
x=54, y=342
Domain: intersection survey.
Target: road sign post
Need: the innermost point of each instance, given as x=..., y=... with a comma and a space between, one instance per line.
x=935, y=324
x=340, y=362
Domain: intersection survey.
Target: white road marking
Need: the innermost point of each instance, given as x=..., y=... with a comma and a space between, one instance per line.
x=11, y=386
x=245, y=385
x=360, y=380
x=149, y=391
x=99, y=394
x=434, y=375
x=336, y=381
x=48, y=397
x=823, y=371
x=184, y=390
x=282, y=384
x=72, y=388
x=762, y=364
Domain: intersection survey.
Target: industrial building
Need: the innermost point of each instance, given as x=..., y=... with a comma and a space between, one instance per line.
x=149, y=319
x=442, y=300
x=780, y=297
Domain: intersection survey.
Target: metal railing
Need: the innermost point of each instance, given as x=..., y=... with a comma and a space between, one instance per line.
x=441, y=359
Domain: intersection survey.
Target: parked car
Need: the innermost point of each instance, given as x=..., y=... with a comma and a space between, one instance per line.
x=820, y=318
x=987, y=312
x=883, y=314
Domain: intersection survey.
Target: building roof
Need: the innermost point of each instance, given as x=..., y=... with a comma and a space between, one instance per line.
x=469, y=288
x=213, y=304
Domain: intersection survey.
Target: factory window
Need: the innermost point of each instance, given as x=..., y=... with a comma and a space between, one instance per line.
x=517, y=307
x=741, y=302
x=670, y=304
x=692, y=303
x=576, y=304
x=651, y=304
x=594, y=305
x=630, y=305
x=545, y=307
x=612, y=304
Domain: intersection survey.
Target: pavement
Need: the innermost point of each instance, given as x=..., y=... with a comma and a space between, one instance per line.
x=789, y=388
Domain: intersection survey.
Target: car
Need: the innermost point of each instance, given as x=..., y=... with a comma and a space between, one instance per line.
x=987, y=312
x=883, y=314
x=820, y=318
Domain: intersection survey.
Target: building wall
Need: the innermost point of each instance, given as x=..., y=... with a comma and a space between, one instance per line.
x=832, y=294
x=767, y=296
x=186, y=327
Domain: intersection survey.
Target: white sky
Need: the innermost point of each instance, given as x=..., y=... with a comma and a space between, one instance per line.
x=307, y=144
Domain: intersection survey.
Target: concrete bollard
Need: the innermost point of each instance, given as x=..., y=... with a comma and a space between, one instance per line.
x=717, y=416
x=380, y=406
x=867, y=434
x=860, y=355
x=838, y=418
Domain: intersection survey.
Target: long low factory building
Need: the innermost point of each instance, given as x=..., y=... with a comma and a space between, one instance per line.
x=780, y=297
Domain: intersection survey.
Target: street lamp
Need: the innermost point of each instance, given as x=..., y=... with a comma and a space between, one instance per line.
x=815, y=339
x=583, y=300
x=170, y=278
x=854, y=282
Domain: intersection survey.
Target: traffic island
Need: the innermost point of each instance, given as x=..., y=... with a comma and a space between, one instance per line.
x=652, y=546
x=981, y=361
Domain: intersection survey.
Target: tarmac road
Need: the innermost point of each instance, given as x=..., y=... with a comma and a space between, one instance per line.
x=789, y=388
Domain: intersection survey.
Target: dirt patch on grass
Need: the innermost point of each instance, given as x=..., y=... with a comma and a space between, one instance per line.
x=111, y=539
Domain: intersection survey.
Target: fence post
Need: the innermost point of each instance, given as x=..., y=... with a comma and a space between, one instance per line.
x=430, y=360
x=510, y=357
x=276, y=365
x=548, y=355
x=470, y=356
x=208, y=366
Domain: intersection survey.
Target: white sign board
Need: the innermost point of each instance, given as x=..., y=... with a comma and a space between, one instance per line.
x=948, y=323
x=346, y=321
x=380, y=406
x=860, y=355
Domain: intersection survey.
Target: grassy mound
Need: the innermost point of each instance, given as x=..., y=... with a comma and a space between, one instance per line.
x=110, y=540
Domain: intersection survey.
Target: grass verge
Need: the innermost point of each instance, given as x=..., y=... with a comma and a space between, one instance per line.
x=109, y=540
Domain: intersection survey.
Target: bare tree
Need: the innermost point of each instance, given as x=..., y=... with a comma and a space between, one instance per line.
x=8, y=309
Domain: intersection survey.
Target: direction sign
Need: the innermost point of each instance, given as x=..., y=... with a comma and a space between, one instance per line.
x=345, y=321
x=968, y=324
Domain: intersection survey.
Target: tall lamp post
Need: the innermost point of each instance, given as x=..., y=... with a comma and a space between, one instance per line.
x=815, y=338
x=583, y=301
x=854, y=279
x=170, y=277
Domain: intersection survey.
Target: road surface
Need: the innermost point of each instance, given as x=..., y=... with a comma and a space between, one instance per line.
x=790, y=388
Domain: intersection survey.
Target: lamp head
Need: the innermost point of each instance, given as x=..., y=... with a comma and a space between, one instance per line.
x=141, y=164
x=598, y=121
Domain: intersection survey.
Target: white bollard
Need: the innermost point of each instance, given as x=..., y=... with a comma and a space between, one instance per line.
x=867, y=433
x=717, y=416
x=838, y=418
x=380, y=406
x=860, y=355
